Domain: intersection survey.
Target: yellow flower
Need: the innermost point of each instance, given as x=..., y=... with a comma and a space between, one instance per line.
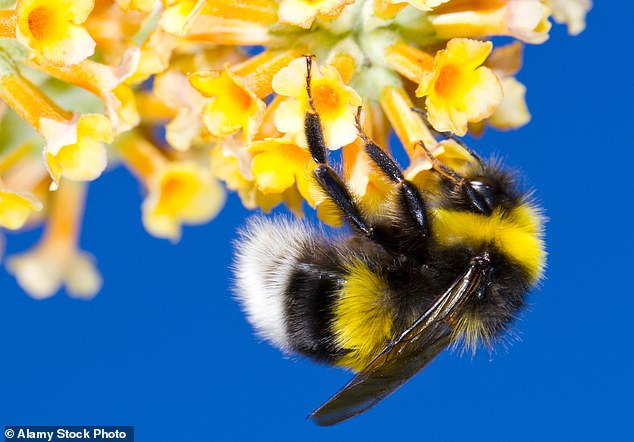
x=192, y=107
x=56, y=261
x=460, y=90
x=335, y=102
x=232, y=164
x=303, y=12
x=278, y=164
x=74, y=143
x=53, y=29
x=156, y=52
x=75, y=149
x=571, y=12
x=237, y=93
x=16, y=207
x=179, y=192
x=233, y=106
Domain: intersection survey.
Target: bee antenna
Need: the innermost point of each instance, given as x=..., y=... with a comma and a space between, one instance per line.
x=447, y=135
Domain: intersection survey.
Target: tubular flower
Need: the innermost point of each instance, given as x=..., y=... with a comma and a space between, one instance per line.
x=526, y=20
x=179, y=192
x=53, y=29
x=56, y=261
x=106, y=82
x=235, y=22
x=75, y=148
x=200, y=93
x=459, y=89
x=74, y=142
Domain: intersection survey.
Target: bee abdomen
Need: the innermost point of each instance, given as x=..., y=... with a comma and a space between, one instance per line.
x=285, y=278
x=266, y=255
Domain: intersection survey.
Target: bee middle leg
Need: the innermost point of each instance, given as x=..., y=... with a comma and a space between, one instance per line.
x=410, y=198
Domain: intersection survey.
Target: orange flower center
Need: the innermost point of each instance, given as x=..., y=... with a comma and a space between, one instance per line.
x=326, y=98
x=447, y=80
x=40, y=23
x=242, y=98
x=176, y=192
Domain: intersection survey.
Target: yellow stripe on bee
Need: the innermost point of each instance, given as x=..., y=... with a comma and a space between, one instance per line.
x=362, y=318
x=516, y=233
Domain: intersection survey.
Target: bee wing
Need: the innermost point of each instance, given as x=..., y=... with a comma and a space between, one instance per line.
x=407, y=354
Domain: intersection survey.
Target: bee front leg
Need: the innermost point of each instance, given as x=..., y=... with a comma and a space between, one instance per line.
x=326, y=177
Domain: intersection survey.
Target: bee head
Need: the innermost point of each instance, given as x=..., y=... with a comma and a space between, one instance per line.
x=482, y=190
x=482, y=194
x=482, y=209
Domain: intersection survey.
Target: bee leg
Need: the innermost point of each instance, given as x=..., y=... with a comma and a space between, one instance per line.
x=410, y=197
x=327, y=178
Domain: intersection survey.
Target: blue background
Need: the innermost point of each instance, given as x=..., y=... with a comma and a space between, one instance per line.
x=165, y=348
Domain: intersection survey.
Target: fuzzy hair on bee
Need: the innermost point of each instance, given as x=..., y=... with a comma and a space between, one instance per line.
x=447, y=263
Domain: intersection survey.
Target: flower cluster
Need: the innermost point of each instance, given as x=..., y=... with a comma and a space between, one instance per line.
x=195, y=96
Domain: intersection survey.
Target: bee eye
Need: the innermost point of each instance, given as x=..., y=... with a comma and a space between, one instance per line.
x=483, y=194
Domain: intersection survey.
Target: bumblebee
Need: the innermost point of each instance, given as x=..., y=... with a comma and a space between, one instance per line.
x=445, y=264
